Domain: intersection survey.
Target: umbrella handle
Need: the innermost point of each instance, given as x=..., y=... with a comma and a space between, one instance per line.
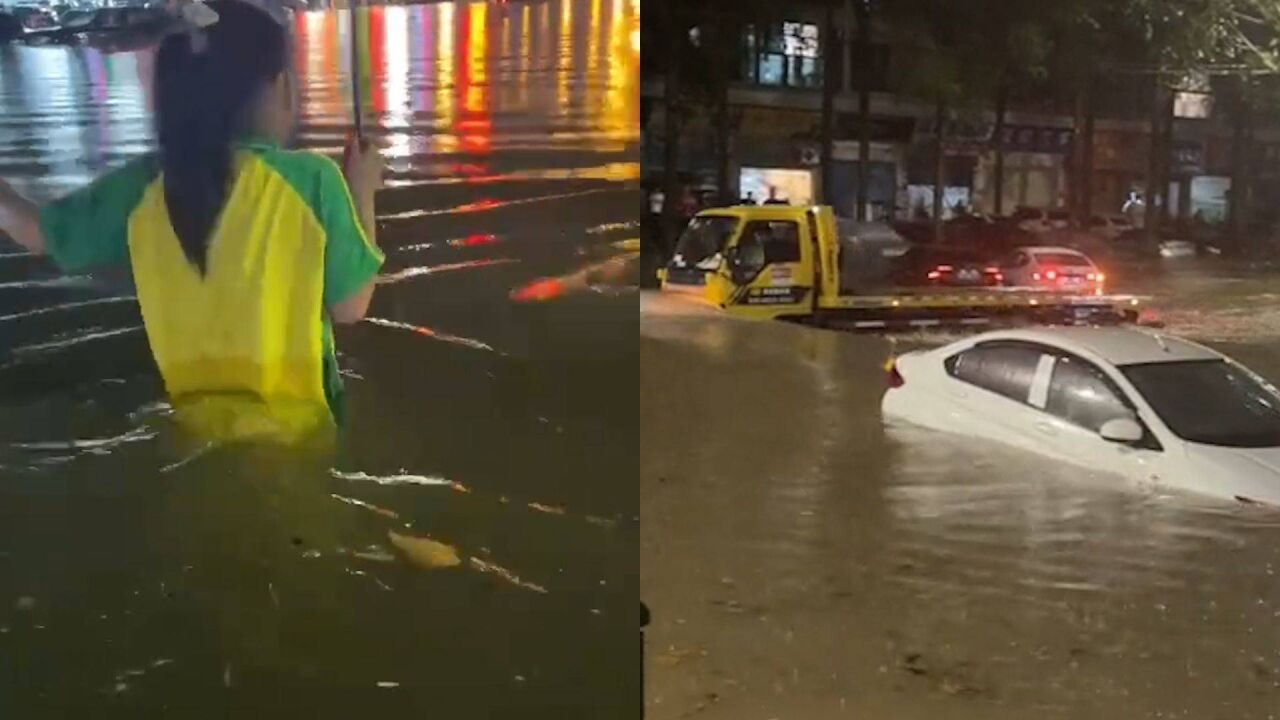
x=355, y=74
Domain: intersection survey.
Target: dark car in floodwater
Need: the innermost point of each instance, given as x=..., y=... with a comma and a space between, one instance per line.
x=942, y=266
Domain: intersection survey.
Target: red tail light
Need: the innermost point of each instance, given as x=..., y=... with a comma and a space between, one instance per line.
x=1035, y=276
x=1051, y=274
x=945, y=268
x=934, y=274
x=992, y=270
x=892, y=377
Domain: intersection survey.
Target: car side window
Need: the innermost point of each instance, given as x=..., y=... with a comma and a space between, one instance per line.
x=1080, y=394
x=781, y=240
x=1006, y=370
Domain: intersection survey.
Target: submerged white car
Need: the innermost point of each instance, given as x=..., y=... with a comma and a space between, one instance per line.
x=1156, y=409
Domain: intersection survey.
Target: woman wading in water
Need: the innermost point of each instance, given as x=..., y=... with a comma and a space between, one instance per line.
x=243, y=253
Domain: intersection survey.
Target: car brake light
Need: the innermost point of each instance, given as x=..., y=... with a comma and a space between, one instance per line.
x=992, y=270
x=1035, y=276
x=892, y=377
x=944, y=268
x=1051, y=274
x=1091, y=276
x=934, y=274
x=1101, y=277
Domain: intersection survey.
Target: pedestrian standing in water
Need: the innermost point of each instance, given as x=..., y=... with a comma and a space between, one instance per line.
x=243, y=253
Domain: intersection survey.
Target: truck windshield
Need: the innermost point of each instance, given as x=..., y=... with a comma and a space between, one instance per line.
x=1211, y=402
x=703, y=238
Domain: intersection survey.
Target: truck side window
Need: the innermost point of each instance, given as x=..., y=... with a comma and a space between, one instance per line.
x=1003, y=369
x=781, y=239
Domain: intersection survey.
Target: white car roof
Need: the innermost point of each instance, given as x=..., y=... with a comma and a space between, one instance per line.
x=1115, y=345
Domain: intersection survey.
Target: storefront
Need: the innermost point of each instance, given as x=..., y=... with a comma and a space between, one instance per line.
x=1036, y=160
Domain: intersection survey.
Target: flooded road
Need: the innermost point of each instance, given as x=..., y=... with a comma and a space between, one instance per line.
x=802, y=561
x=136, y=575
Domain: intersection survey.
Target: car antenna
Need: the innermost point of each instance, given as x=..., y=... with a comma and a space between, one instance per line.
x=1164, y=347
x=1160, y=341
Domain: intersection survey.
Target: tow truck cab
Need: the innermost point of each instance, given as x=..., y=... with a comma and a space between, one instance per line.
x=757, y=260
x=803, y=263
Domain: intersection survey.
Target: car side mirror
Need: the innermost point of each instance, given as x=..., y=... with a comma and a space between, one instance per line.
x=1121, y=430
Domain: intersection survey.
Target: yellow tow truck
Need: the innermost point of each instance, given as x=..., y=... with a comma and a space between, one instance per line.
x=804, y=264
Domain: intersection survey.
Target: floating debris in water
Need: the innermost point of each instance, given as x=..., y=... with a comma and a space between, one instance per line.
x=351, y=374
x=161, y=662
x=374, y=554
x=388, y=684
x=226, y=676
x=64, y=281
x=610, y=227
x=139, y=434
x=275, y=599
x=367, y=506
x=488, y=567
x=199, y=453
x=309, y=554
x=428, y=332
x=26, y=602
x=549, y=509
x=413, y=272
x=121, y=687
x=459, y=487
x=475, y=240
x=71, y=342
x=401, y=479
x=425, y=552
x=600, y=521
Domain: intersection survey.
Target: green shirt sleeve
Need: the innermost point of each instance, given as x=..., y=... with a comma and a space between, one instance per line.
x=90, y=227
x=350, y=260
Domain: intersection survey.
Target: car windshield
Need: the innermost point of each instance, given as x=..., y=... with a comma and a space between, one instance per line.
x=1061, y=258
x=1210, y=401
x=705, y=236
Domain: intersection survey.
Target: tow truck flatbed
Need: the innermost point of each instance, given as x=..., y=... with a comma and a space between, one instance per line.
x=790, y=263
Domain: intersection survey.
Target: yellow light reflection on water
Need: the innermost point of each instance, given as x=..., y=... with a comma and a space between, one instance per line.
x=396, y=59
x=476, y=100
x=619, y=113
x=526, y=50
x=446, y=141
x=564, y=55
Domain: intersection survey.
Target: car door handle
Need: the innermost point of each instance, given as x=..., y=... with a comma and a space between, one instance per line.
x=1046, y=428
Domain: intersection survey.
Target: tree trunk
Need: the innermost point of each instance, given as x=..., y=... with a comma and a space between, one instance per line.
x=1075, y=194
x=1002, y=103
x=1086, y=179
x=827, y=130
x=724, y=142
x=1151, y=215
x=939, y=169
x=1236, y=217
x=864, y=107
x=671, y=140
x=1166, y=157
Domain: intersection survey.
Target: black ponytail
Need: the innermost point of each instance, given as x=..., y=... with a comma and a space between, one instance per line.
x=207, y=87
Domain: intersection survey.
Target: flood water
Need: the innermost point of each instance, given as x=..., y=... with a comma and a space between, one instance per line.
x=803, y=561
x=137, y=577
